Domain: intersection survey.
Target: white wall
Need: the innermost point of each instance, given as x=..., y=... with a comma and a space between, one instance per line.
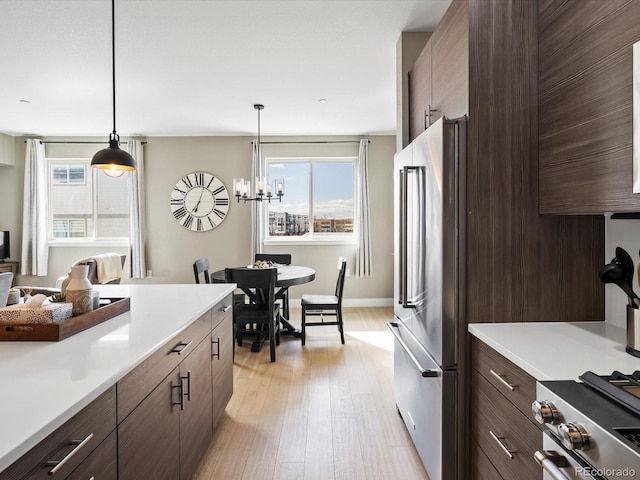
x=171, y=249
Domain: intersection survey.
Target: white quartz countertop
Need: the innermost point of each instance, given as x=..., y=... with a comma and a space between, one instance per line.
x=45, y=383
x=560, y=350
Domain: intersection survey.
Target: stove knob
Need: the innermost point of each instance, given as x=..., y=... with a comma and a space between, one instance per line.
x=545, y=412
x=573, y=436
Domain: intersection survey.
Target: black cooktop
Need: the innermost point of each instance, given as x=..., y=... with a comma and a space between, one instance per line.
x=620, y=388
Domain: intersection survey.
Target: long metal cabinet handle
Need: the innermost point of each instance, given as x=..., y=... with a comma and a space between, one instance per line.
x=402, y=282
x=504, y=382
x=502, y=445
x=188, y=379
x=551, y=462
x=217, y=354
x=180, y=395
x=58, y=464
x=424, y=372
x=181, y=347
x=225, y=308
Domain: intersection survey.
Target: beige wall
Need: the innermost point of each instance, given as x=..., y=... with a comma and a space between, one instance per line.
x=171, y=249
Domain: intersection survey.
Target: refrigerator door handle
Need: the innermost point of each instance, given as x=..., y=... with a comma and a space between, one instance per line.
x=424, y=372
x=407, y=291
x=402, y=274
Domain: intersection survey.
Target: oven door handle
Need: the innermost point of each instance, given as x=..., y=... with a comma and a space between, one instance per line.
x=551, y=462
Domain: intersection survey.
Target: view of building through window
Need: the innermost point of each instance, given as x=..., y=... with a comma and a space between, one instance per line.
x=318, y=198
x=85, y=203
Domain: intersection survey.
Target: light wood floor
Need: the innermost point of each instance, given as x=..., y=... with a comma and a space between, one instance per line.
x=322, y=411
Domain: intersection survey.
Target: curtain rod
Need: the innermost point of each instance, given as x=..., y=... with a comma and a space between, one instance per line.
x=310, y=141
x=79, y=143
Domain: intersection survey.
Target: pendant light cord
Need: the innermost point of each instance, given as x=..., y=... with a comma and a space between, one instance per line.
x=113, y=61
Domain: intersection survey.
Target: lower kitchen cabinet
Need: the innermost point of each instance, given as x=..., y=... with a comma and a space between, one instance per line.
x=505, y=436
x=221, y=361
x=167, y=434
x=196, y=425
x=61, y=452
x=101, y=464
x=149, y=438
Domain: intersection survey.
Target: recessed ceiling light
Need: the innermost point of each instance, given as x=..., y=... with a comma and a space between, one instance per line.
x=322, y=100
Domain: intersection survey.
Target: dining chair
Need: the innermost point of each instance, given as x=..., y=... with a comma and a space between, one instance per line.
x=201, y=265
x=5, y=284
x=259, y=285
x=282, y=293
x=321, y=305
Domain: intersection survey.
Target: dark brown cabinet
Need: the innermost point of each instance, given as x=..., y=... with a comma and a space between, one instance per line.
x=149, y=438
x=586, y=105
x=102, y=464
x=450, y=63
x=504, y=435
x=221, y=361
x=62, y=451
x=420, y=102
x=439, y=80
x=196, y=426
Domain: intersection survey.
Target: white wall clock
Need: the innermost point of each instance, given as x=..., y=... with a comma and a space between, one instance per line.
x=199, y=201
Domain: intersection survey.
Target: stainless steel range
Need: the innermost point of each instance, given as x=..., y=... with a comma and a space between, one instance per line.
x=594, y=427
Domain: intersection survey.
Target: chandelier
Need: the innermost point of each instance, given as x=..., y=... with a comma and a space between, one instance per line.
x=263, y=189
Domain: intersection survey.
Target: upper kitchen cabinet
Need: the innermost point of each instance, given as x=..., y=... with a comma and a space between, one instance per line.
x=420, y=93
x=585, y=105
x=450, y=63
x=484, y=63
x=439, y=79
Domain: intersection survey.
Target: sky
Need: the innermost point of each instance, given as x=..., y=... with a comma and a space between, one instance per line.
x=332, y=188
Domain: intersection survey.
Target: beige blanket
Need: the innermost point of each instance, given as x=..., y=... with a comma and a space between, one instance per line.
x=109, y=267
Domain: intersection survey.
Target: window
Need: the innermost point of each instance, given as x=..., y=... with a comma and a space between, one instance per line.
x=318, y=202
x=86, y=204
x=68, y=174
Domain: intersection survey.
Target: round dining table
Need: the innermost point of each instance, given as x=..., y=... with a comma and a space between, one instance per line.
x=288, y=276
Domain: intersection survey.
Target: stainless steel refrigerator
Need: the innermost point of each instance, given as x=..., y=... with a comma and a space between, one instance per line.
x=429, y=328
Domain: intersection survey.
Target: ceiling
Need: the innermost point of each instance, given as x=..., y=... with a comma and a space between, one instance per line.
x=196, y=67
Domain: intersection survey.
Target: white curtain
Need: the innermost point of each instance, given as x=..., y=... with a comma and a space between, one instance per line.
x=257, y=217
x=364, y=263
x=35, y=249
x=135, y=266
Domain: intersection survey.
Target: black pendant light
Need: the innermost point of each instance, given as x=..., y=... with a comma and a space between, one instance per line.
x=113, y=160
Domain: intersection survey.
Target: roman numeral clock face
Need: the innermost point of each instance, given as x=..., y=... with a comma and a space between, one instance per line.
x=199, y=201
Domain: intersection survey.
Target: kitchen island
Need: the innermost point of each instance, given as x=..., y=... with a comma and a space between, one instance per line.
x=45, y=384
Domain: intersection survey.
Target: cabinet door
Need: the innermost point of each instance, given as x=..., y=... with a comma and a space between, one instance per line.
x=195, y=415
x=586, y=106
x=222, y=366
x=450, y=62
x=102, y=464
x=420, y=93
x=149, y=438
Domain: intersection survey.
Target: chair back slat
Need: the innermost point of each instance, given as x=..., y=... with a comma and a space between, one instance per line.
x=342, y=270
x=201, y=265
x=281, y=258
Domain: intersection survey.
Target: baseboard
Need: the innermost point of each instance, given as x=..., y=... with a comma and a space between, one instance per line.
x=354, y=302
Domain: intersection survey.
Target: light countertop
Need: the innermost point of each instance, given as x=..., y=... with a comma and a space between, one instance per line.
x=45, y=383
x=559, y=350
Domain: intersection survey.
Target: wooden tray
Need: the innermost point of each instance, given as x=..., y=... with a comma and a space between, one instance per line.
x=54, y=332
